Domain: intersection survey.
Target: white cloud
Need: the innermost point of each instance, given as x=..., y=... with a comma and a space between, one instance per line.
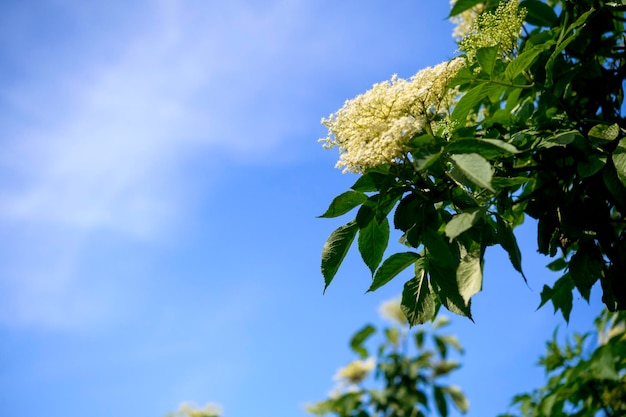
x=113, y=158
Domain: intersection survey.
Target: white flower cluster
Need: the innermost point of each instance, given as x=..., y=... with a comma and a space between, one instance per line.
x=356, y=371
x=374, y=128
x=490, y=29
x=392, y=311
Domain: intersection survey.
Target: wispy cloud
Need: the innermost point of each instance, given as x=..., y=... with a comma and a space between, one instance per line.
x=113, y=157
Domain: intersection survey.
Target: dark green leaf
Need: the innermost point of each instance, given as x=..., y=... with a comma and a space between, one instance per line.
x=369, y=182
x=488, y=148
x=462, y=222
x=462, y=5
x=539, y=13
x=356, y=343
x=499, y=183
x=570, y=137
x=418, y=303
x=476, y=168
x=391, y=267
x=424, y=158
x=586, y=267
x=343, y=203
x=557, y=265
x=467, y=102
x=438, y=249
x=335, y=250
x=440, y=401
x=509, y=244
x=560, y=295
x=373, y=240
x=591, y=166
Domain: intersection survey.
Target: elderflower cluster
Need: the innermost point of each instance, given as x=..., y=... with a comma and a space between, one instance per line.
x=501, y=27
x=356, y=371
x=392, y=311
x=189, y=410
x=373, y=128
x=465, y=20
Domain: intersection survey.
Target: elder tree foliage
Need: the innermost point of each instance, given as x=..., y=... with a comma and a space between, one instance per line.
x=410, y=371
x=535, y=129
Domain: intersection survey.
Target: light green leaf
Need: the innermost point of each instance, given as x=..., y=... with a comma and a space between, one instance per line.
x=343, y=203
x=391, y=267
x=606, y=133
x=356, y=343
x=469, y=275
x=418, y=303
x=525, y=60
x=619, y=160
x=462, y=222
x=458, y=399
x=373, y=240
x=486, y=58
x=476, y=168
x=335, y=250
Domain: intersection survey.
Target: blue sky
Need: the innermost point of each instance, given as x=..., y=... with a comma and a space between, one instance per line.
x=159, y=182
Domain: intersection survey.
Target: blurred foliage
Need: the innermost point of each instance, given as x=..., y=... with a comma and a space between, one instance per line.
x=536, y=129
x=582, y=381
x=404, y=376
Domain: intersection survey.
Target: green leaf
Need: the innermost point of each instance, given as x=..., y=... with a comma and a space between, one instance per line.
x=619, y=160
x=458, y=399
x=467, y=102
x=444, y=283
x=557, y=265
x=508, y=242
x=476, y=168
x=356, y=343
x=570, y=137
x=343, y=203
x=391, y=267
x=438, y=249
x=424, y=158
x=539, y=14
x=486, y=58
x=440, y=401
x=499, y=182
x=462, y=5
x=590, y=167
x=373, y=240
x=462, y=222
x=488, y=148
x=602, y=365
x=369, y=182
x=560, y=295
x=564, y=43
x=525, y=60
x=469, y=275
x=605, y=133
x=586, y=267
x=418, y=303
x=335, y=250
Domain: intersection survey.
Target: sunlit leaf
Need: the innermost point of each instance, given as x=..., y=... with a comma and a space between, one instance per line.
x=335, y=250
x=344, y=202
